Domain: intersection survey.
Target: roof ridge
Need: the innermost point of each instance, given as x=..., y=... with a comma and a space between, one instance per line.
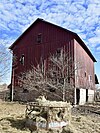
x=75, y=35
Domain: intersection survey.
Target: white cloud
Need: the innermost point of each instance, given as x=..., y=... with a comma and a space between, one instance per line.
x=94, y=41
x=80, y=16
x=6, y=42
x=97, y=31
x=98, y=48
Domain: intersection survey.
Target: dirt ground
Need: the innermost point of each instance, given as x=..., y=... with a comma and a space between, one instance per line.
x=86, y=122
x=12, y=120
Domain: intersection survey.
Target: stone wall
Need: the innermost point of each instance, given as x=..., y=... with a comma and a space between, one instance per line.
x=31, y=95
x=44, y=114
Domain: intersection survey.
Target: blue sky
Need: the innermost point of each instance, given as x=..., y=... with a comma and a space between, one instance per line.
x=80, y=16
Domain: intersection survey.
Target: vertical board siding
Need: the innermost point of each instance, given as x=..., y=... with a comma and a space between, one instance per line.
x=52, y=38
x=86, y=66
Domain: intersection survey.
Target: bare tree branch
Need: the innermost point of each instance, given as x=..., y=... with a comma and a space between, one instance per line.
x=58, y=76
x=5, y=61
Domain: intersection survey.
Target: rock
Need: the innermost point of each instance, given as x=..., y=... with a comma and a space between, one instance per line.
x=47, y=114
x=69, y=129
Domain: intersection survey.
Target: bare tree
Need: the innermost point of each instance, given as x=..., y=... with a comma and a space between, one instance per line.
x=4, y=63
x=36, y=79
x=59, y=75
x=62, y=72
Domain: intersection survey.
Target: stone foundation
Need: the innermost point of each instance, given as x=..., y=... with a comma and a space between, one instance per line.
x=31, y=95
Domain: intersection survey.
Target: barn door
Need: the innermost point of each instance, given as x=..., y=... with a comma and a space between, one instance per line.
x=77, y=96
x=86, y=95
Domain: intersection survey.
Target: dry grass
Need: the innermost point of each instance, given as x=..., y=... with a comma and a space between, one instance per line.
x=86, y=123
x=12, y=120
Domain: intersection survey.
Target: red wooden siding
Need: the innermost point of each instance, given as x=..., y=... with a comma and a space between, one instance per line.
x=52, y=39
x=85, y=70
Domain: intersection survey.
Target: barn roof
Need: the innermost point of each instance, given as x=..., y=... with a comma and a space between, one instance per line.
x=74, y=34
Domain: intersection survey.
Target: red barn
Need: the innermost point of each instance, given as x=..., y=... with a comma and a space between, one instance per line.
x=43, y=38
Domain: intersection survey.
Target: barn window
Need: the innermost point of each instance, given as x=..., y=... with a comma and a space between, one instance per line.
x=52, y=89
x=58, y=53
x=14, y=60
x=25, y=90
x=85, y=74
x=61, y=81
x=22, y=59
x=68, y=79
x=90, y=78
x=39, y=38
